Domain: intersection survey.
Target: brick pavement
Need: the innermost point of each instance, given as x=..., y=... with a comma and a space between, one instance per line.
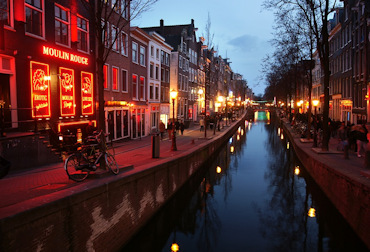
x=20, y=187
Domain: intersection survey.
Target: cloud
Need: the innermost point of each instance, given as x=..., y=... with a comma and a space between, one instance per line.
x=245, y=43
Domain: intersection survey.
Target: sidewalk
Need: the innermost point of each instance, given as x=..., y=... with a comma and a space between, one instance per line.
x=18, y=188
x=353, y=167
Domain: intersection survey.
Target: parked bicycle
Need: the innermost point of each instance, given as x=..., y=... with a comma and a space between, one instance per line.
x=89, y=157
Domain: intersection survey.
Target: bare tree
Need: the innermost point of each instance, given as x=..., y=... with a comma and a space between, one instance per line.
x=119, y=14
x=316, y=17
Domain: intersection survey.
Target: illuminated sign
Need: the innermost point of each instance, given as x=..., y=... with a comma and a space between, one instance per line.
x=67, y=91
x=56, y=53
x=40, y=89
x=87, y=93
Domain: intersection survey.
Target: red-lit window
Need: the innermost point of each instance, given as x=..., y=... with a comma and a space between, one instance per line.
x=6, y=12
x=134, y=86
x=67, y=91
x=105, y=74
x=83, y=34
x=34, y=17
x=115, y=78
x=62, y=25
x=142, y=85
x=124, y=81
x=87, y=93
x=40, y=89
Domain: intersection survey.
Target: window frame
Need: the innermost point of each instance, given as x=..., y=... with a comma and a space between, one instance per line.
x=81, y=30
x=115, y=77
x=42, y=12
x=142, y=88
x=142, y=53
x=124, y=80
x=106, y=76
x=124, y=43
x=62, y=22
x=135, y=53
x=134, y=86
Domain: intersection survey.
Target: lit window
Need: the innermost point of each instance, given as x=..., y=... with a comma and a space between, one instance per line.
x=115, y=79
x=142, y=85
x=134, y=52
x=105, y=74
x=61, y=25
x=142, y=55
x=83, y=34
x=34, y=17
x=134, y=86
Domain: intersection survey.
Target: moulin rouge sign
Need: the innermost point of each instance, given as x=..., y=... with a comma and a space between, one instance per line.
x=56, y=53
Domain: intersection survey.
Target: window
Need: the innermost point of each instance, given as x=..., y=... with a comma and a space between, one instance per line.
x=61, y=25
x=5, y=12
x=115, y=78
x=167, y=79
x=142, y=86
x=105, y=74
x=162, y=74
x=142, y=55
x=151, y=71
x=152, y=51
x=156, y=92
x=83, y=34
x=162, y=57
x=124, y=81
x=105, y=33
x=157, y=72
x=180, y=62
x=134, y=86
x=134, y=52
x=115, y=39
x=124, y=43
x=157, y=54
x=34, y=17
x=151, y=91
x=124, y=8
x=167, y=59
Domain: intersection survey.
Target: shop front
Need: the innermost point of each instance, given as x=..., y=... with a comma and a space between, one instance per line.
x=62, y=93
x=117, y=123
x=138, y=122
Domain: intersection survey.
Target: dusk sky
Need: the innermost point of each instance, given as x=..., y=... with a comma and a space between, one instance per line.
x=242, y=30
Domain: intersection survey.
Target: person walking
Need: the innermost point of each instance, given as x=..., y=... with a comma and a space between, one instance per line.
x=162, y=129
x=169, y=129
x=201, y=123
x=182, y=127
x=361, y=140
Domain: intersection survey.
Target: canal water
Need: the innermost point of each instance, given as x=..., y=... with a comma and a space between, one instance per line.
x=253, y=195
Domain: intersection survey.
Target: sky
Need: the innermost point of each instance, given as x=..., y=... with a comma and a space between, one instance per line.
x=242, y=30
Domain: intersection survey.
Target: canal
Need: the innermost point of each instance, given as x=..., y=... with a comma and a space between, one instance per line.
x=253, y=195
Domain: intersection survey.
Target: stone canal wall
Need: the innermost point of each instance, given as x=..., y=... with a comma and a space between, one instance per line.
x=104, y=215
x=347, y=194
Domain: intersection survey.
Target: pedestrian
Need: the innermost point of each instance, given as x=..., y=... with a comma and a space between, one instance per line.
x=177, y=125
x=182, y=127
x=169, y=129
x=162, y=129
x=361, y=140
x=201, y=123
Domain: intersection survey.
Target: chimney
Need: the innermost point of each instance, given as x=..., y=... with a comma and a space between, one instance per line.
x=161, y=27
x=192, y=22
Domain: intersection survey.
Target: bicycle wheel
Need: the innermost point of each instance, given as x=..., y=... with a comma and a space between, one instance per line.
x=111, y=163
x=74, y=169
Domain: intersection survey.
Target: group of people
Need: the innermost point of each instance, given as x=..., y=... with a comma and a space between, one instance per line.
x=353, y=136
x=171, y=127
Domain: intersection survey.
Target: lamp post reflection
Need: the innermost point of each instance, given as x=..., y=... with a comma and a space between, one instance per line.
x=315, y=103
x=173, y=94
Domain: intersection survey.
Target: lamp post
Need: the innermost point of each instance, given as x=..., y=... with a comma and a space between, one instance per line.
x=315, y=103
x=173, y=94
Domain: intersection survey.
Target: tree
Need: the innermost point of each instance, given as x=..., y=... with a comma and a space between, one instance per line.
x=118, y=13
x=315, y=14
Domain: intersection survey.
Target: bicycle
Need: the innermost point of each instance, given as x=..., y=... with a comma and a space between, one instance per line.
x=90, y=157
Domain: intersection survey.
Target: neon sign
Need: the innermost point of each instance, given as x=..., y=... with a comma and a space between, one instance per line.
x=40, y=89
x=56, y=53
x=87, y=93
x=67, y=91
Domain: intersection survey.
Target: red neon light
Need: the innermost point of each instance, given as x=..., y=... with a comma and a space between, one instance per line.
x=40, y=89
x=87, y=91
x=67, y=92
x=56, y=53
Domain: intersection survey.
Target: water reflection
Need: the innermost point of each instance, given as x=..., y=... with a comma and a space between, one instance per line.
x=249, y=198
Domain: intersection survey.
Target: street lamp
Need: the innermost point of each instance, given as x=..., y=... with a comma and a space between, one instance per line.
x=315, y=103
x=173, y=94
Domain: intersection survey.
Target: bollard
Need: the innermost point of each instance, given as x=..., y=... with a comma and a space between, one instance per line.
x=155, y=146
